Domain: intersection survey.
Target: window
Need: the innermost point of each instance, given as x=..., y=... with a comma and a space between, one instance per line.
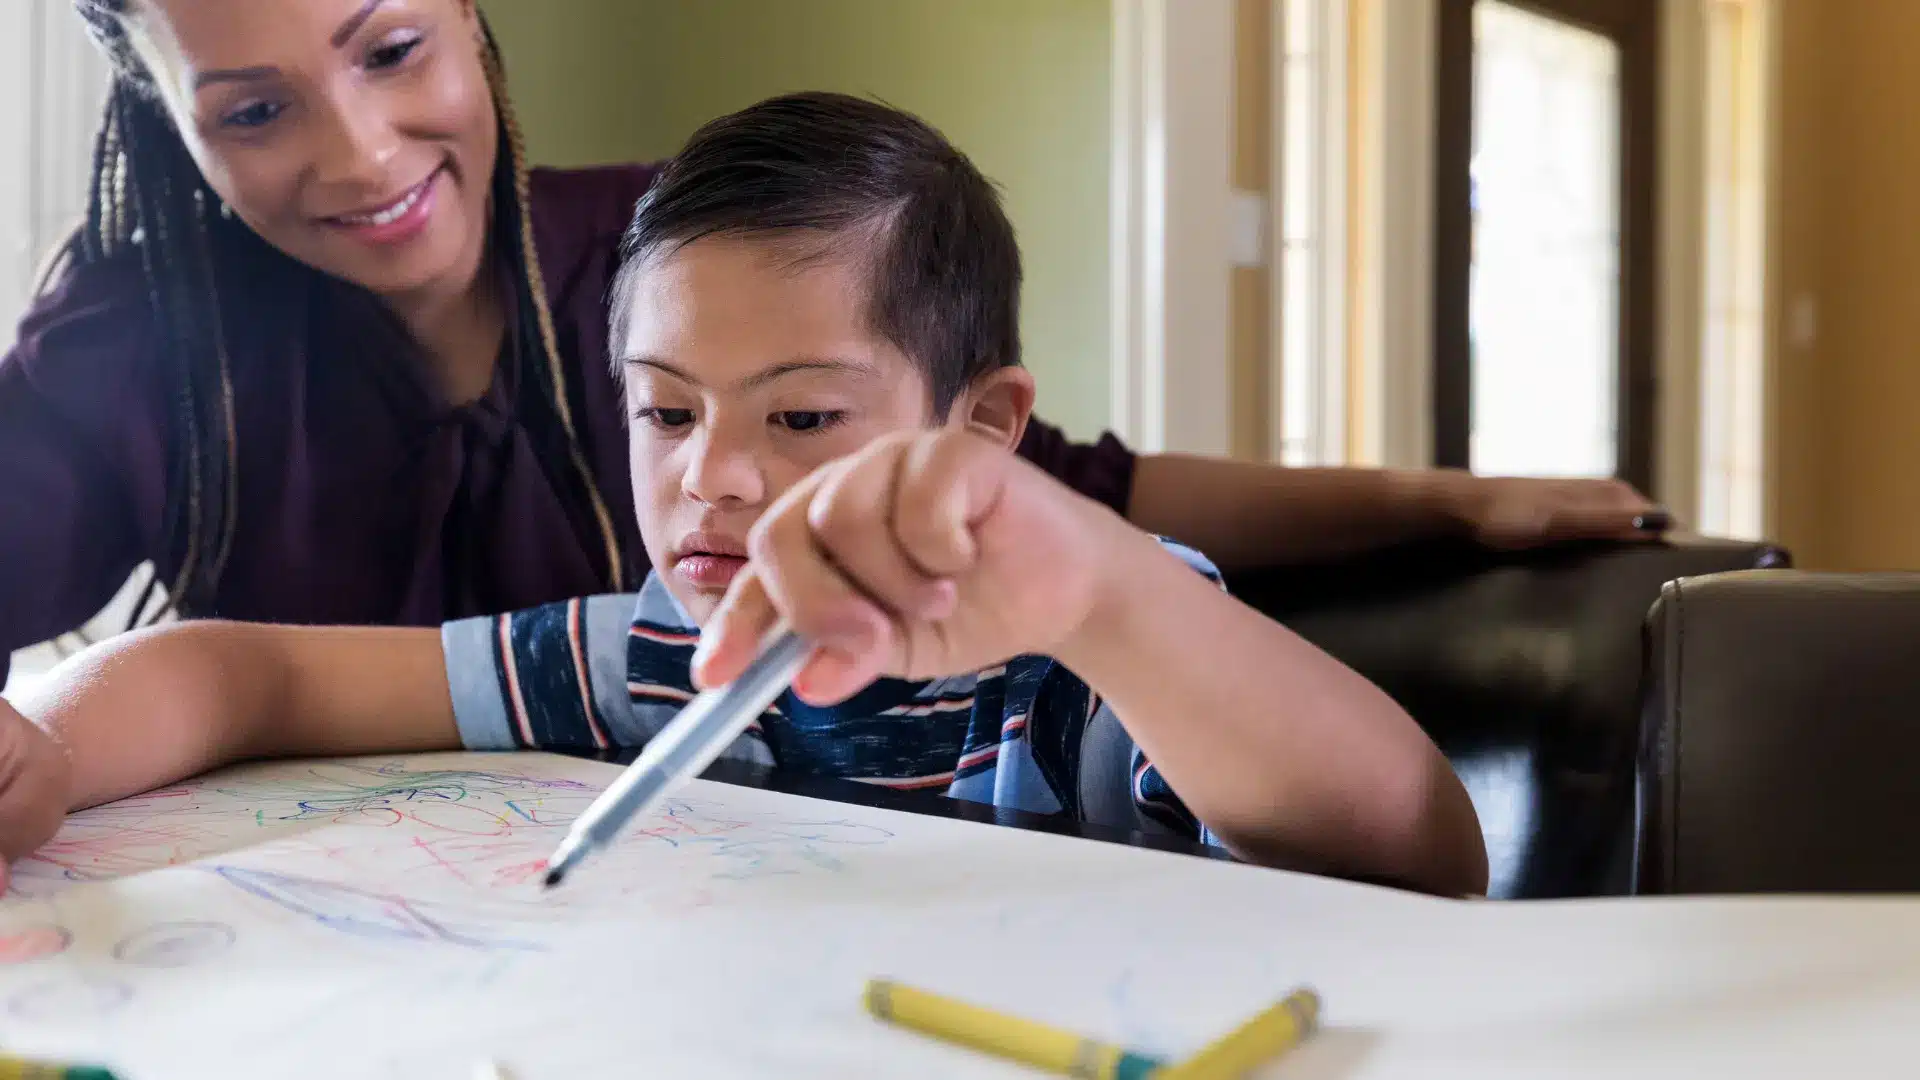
x=1545, y=177
x=1543, y=308
x=54, y=89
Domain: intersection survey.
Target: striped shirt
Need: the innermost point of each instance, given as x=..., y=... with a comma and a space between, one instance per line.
x=608, y=672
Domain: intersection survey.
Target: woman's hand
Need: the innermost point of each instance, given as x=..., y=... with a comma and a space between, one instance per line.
x=1519, y=512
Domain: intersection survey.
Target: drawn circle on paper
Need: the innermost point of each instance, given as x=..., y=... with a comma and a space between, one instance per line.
x=77, y=997
x=175, y=944
x=33, y=943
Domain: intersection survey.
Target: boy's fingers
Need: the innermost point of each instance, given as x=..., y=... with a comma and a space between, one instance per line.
x=731, y=636
x=945, y=485
x=849, y=517
x=817, y=600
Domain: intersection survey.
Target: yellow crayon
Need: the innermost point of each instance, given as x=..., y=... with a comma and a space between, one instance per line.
x=1009, y=1037
x=12, y=1068
x=1254, y=1043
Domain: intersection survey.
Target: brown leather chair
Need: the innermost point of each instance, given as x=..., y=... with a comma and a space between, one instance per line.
x=1526, y=670
x=1782, y=740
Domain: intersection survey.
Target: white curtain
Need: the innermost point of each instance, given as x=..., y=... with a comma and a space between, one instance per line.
x=53, y=85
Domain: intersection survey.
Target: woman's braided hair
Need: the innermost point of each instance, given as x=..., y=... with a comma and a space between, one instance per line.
x=146, y=194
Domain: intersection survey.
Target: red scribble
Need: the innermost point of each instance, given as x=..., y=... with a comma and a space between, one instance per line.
x=438, y=860
x=520, y=874
x=457, y=818
x=34, y=943
x=123, y=849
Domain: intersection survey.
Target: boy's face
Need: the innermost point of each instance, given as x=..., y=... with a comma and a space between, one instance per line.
x=745, y=372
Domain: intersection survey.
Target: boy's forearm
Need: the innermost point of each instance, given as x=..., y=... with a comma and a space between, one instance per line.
x=1287, y=754
x=158, y=706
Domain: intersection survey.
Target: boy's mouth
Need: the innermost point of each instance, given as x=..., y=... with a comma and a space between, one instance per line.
x=709, y=562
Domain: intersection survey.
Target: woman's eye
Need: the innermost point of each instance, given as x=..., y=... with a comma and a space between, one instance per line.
x=808, y=419
x=392, y=54
x=665, y=418
x=253, y=115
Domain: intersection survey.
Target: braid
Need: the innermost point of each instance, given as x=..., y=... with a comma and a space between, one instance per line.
x=532, y=302
x=145, y=192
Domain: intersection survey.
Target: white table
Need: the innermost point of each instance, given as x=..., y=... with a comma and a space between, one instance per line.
x=380, y=919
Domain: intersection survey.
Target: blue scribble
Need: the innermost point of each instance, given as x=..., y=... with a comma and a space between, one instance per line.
x=358, y=912
x=348, y=788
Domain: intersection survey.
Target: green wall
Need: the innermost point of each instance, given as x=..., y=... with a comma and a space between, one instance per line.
x=1019, y=85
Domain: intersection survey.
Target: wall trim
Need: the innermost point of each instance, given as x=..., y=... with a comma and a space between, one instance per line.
x=1680, y=216
x=1396, y=338
x=1171, y=224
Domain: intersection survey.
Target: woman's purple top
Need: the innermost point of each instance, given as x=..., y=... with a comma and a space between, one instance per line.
x=363, y=497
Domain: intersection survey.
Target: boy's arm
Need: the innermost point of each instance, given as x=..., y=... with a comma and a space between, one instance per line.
x=1286, y=754
x=154, y=707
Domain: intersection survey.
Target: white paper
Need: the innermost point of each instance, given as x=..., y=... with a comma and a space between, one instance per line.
x=384, y=918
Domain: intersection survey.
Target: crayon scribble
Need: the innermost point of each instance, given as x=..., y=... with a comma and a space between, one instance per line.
x=188, y=822
x=359, y=912
x=33, y=943
x=338, y=791
x=477, y=830
x=175, y=944
x=759, y=848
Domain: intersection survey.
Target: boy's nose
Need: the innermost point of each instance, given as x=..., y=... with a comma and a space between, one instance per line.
x=722, y=471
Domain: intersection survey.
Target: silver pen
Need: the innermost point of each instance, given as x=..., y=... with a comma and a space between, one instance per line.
x=683, y=749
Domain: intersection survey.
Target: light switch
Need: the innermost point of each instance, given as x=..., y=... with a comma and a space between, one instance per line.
x=1248, y=244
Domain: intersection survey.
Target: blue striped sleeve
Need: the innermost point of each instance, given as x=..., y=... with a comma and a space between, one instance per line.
x=549, y=678
x=1154, y=800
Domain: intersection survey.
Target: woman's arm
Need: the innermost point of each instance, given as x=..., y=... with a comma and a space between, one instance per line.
x=1245, y=514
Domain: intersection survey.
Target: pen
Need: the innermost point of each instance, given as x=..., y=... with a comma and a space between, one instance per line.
x=682, y=749
x=1004, y=1036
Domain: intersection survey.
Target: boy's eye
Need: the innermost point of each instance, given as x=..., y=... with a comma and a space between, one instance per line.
x=665, y=418
x=253, y=114
x=808, y=419
x=391, y=54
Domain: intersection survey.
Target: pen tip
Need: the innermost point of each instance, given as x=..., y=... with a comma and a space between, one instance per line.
x=553, y=877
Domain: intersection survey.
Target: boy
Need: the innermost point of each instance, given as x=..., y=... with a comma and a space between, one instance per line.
x=817, y=324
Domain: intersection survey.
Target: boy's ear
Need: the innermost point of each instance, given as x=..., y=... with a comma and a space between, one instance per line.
x=997, y=405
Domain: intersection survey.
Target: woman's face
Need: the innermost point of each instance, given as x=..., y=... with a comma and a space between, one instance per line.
x=357, y=136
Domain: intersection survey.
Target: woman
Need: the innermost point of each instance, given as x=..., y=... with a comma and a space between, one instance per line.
x=326, y=351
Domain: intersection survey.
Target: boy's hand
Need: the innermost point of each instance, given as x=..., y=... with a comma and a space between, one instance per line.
x=924, y=554
x=33, y=789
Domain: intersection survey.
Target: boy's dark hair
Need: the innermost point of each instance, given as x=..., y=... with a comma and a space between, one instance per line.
x=943, y=266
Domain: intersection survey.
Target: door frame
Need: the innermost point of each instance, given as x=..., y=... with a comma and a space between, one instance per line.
x=1171, y=222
